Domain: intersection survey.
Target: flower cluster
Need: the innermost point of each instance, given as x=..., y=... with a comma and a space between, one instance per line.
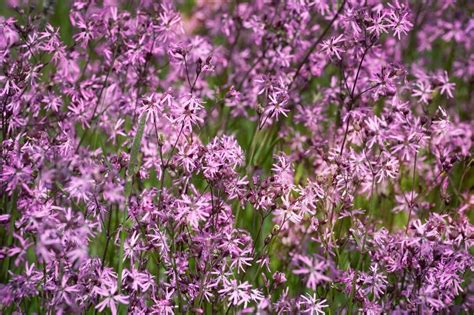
x=230, y=157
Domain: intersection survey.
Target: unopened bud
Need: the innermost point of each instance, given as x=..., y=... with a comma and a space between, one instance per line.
x=357, y=126
x=180, y=51
x=268, y=239
x=198, y=66
x=276, y=229
x=161, y=139
x=279, y=278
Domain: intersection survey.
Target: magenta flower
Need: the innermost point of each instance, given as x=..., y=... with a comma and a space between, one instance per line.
x=309, y=304
x=110, y=298
x=236, y=157
x=313, y=269
x=333, y=47
x=240, y=293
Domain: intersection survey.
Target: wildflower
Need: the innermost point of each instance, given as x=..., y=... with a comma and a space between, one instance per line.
x=332, y=47
x=276, y=106
x=110, y=298
x=193, y=211
x=188, y=114
x=139, y=280
x=446, y=87
x=314, y=269
x=423, y=91
x=288, y=211
x=376, y=128
x=80, y=188
x=15, y=173
x=132, y=246
x=375, y=282
x=398, y=20
x=66, y=292
x=210, y=195
x=164, y=305
x=309, y=304
x=241, y=260
x=240, y=293
x=378, y=24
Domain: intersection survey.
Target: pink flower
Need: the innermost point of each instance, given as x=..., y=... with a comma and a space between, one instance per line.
x=309, y=304
x=188, y=112
x=446, y=87
x=276, y=106
x=333, y=47
x=110, y=298
x=378, y=24
x=192, y=210
x=398, y=20
x=313, y=268
x=240, y=293
x=423, y=91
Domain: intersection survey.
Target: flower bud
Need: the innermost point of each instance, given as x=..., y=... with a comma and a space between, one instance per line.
x=268, y=239
x=161, y=139
x=198, y=66
x=279, y=278
x=276, y=229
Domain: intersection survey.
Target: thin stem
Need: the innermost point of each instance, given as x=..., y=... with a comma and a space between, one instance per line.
x=315, y=44
x=108, y=236
x=187, y=73
x=359, y=262
x=412, y=197
x=94, y=117
x=341, y=150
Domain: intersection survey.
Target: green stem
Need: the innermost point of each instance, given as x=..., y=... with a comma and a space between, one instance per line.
x=132, y=170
